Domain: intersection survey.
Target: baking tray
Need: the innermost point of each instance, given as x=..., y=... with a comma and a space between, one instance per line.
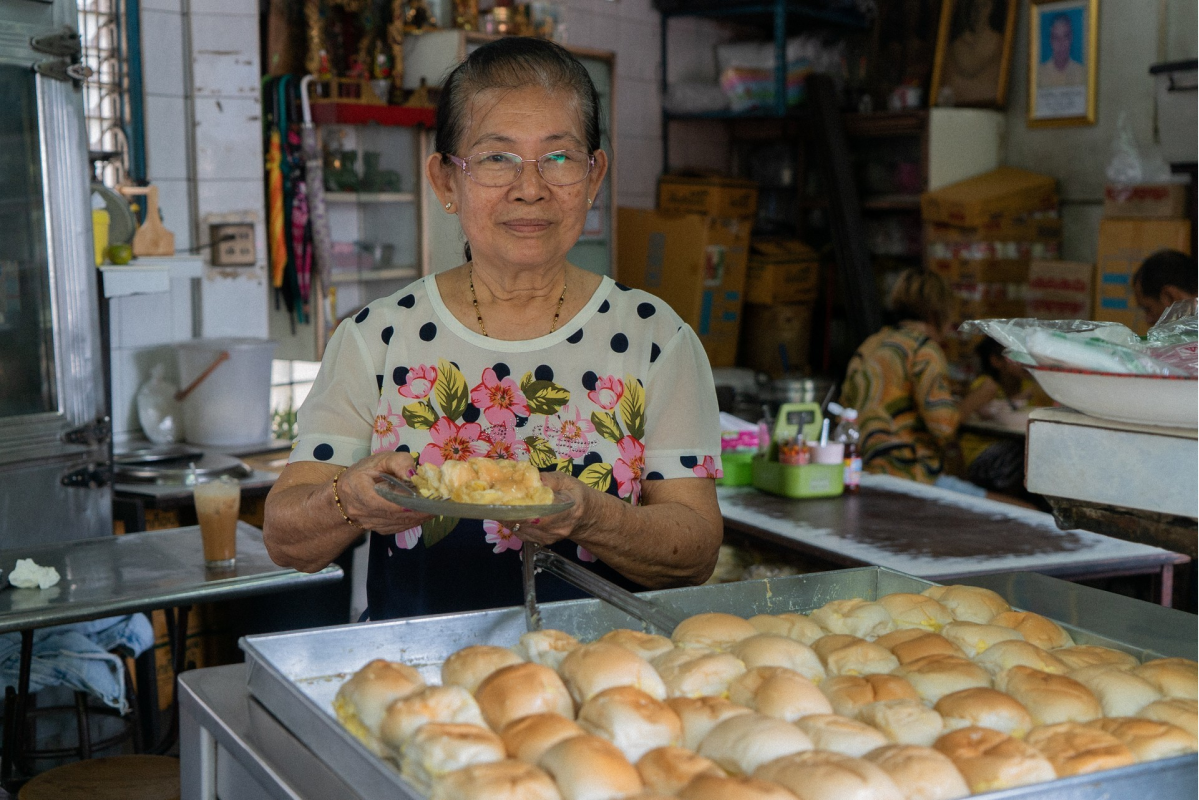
x=296, y=675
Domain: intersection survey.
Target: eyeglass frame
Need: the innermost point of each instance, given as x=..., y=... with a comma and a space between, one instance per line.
x=520, y=168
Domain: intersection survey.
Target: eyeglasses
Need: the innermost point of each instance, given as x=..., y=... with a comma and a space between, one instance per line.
x=494, y=169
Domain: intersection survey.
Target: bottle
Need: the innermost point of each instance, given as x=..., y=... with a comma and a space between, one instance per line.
x=765, y=435
x=847, y=433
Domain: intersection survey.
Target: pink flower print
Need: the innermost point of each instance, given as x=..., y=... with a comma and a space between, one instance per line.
x=501, y=401
x=707, y=469
x=607, y=392
x=452, y=442
x=406, y=540
x=628, y=468
x=500, y=536
x=386, y=436
x=420, y=382
x=583, y=553
x=569, y=432
x=502, y=443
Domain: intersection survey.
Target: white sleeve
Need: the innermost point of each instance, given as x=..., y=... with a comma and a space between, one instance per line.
x=682, y=419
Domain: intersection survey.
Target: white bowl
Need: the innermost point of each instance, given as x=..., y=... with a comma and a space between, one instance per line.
x=1143, y=399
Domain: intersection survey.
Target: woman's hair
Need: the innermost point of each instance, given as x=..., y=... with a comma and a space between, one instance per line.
x=922, y=296
x=987, y=348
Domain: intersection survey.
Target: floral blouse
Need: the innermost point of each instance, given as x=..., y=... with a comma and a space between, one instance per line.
x=620, y=394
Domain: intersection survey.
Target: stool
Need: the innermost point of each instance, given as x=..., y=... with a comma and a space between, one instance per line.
x=113, y=778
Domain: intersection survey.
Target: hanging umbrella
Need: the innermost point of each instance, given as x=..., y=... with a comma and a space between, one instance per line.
x=318, y=219
x=276, y=243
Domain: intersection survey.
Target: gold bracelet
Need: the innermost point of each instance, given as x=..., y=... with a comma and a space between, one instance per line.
x=337, y=500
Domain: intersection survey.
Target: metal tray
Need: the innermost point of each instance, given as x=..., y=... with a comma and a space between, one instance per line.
x=296, y=675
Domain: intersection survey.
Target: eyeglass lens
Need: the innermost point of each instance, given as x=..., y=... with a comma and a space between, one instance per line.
x=561, y=168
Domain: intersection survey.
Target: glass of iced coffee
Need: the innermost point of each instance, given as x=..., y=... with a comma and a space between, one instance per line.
x=218, y=503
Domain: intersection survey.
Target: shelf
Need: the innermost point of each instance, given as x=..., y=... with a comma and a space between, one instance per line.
x=735, y=116
x=367, y=276
x=367, y=114
x=370, y=197
x=886, y=123
x=149, y=274
x=793, y=8
x=892, y=202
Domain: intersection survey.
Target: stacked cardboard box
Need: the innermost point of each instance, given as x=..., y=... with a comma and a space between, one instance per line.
x=780, y=291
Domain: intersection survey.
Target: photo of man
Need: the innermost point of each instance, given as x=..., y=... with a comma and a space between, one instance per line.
x=1061, y=68
x=975, y=55
x=1060, y=59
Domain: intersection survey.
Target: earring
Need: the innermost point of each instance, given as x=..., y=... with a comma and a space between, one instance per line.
x=447, y=205
x=588, y=201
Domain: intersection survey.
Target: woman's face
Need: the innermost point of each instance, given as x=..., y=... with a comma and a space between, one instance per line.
x=529, y=223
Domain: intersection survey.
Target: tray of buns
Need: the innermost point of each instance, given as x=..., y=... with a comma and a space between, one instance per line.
x=858, y=683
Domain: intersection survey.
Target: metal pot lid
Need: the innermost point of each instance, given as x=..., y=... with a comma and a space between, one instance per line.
x=157, y=453
x=178, y=472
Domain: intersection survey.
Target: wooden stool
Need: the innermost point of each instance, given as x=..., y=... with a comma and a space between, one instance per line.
x=114, y=778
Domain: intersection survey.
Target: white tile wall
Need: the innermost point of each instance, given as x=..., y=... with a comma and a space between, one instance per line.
x=174, y=201
x=225, y=54
x=166, y=142
x=228, y=138
x=162, y=42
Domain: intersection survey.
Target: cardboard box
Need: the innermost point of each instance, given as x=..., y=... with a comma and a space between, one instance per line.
x=1059, y=290
x=988, y=300
x=771, y=330
x=998, y=253
x=1145, y=201
x=1123, y=245
x=986, y=199
x=708, y=194
x=696, y=264
x=781, y=271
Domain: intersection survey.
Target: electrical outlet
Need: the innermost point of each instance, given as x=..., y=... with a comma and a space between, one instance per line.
x=233, y=245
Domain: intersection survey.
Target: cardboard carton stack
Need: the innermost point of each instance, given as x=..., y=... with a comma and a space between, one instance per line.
x=780, y=292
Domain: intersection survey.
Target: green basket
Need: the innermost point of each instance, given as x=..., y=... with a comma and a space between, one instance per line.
x=738, y=469
x=807, y=480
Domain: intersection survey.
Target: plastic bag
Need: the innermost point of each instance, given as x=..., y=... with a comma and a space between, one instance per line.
x=157, y=409
x=1174, y=340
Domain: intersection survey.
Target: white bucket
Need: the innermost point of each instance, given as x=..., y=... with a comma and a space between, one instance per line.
x=232, y=406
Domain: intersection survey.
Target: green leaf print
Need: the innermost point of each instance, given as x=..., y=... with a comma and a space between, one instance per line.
x=632, y=407
x=545, y=397
x=437, y=529
x=597, y=476
x=541, y=452
x=565, y=465
x=607, y=426
x=451, y=390
x=526, y=381
x=419, y=416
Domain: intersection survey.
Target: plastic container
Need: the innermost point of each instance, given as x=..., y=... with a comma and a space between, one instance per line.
x=809, y=480
x=738, y=469
x=232, y=406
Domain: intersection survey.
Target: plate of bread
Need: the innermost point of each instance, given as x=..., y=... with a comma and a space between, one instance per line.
x=478, y=488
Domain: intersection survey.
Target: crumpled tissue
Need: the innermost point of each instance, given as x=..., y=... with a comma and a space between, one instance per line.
x=28, y=574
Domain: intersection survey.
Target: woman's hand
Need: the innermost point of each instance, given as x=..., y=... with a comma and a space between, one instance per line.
x=360, y=502
x=548, y=530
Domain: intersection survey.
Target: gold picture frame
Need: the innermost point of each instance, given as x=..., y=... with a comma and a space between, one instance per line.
x=1063, y=62
x=974, y=53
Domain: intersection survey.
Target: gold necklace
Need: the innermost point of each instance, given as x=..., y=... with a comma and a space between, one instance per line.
x=474, y=299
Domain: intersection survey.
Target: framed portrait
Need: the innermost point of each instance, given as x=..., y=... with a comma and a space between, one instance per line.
x=974, y=53
x=1063, y=49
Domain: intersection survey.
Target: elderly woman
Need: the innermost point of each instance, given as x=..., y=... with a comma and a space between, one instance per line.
x=515, y=354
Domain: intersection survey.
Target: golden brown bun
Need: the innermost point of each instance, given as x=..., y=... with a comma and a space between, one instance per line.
x=1049, y=699
x=499, y=780
x=1175, y=711
x=973, y=638
x=903, y=721
x=778, y=692
x=632, y=720
x=848, y=693
x=1148, y=739
x=715, y=630
x=840, y=734
x=369, y=691
x=793, y=626
x=588, y=767
x=1005, y=655
x=439, y=748
x=519, y=690
x=589, y=669
x=547, y=647
x=861, y=658
x=1038, y=630
x=830, y=776
x=740, y=744
x=854, y=617
x=470, y=665
x=1120, y=692
x=700, y=715
x=1085, y=655
x=921, y=773
x=933, y=677
x=990, y=760
x=899, y=636
x=916, y=611
x=526, y=739
x=1076, y=749
x=668, y=769
x=432, y=704
x=770, y=650
x=648, y=795
x=984, y=708
x=969, y=603
x=680, y=655
x=712, y=787
x=647, y=645
x=706, y=676
x=926, y=644
x=827, y=645
x=1173, y=677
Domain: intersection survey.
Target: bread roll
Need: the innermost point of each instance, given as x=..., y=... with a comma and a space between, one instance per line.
x=899, y=636
x=547, y=647
x=793, y=626
x=590, y=768
x=830, y=643
x=407, y=715
x=920, y=773
x=1148, y=739
x=1049, y=699
x=984, y=708
x=916, y=611
x=362, y=701
x=990, y=760
x=499, y=780
x=778, y=692
x=1120, y=692
x=712, y=787
x=526, y=739
x=770, y=650
x=861, y=658
x=470, y=665
x=715, y=630
x=830, y=776
x=1038, y=630
x=439, y=748
x=1175, y=711
x=854, y=617
x=1173, y=677
x=974, y=638
x=669, y=769
x=1016, y=653
x=632, y=720
x=848, y=693
x=1076, y=749
x=648, y=795
x=840, y=734
x=903, y=721
x=519, y=690
x=926, y=644
x=969, y=603
x=647, y=645
x=706, y=676
x=740, y=744
x=699, y=715
x=933, y=677
x=589, y=669
x=680, y=655
x=1085, y=655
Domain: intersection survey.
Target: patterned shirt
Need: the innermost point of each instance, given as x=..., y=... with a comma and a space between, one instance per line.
x=620, y=394
x=899, y=383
